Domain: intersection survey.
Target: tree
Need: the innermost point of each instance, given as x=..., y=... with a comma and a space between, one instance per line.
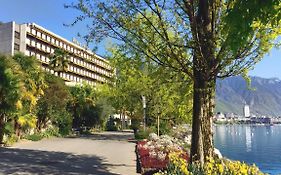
x=34, y=86
x=52, y=107
x=59, y=61
x=83, y=106
x=162, y=88
x=204, y=39
x=10, y=90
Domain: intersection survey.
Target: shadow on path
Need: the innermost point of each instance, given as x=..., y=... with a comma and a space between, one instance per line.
x=115, y=136
x=22, y=161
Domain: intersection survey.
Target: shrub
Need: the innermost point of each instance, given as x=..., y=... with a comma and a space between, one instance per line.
x=164, y=127
x=64, y=122
x=112, y=124
x=34, y=137
x=141, y=134
x=11, y=139
x=51, y=131
x=8, y=128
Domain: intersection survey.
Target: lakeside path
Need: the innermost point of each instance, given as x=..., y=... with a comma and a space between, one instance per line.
x=106, y=153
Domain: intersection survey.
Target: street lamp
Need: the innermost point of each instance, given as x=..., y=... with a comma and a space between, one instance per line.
x=144, y=107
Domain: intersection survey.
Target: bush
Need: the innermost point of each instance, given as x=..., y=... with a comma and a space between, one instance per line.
x=164, y=128
x=8, y=128
x=135, y=125
x=64, y=122
x=34, y=137
x=141, y=134
x=112, y=124
x=51, y=131
x=11, y=139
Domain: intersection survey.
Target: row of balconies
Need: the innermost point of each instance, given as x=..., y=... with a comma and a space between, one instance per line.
x=74, y=60
x=78, y=52
x=68, y=76
x=82, y=64
x=78, y=71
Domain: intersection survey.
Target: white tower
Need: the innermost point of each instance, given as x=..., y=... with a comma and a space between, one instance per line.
x=246, y=111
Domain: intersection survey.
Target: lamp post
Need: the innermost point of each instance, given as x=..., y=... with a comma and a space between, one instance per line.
x=144, y=112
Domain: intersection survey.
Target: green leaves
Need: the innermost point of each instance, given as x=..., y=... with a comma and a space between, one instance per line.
x=59, y=61
x=168, y=93
x=249, y=29
x=10, y=84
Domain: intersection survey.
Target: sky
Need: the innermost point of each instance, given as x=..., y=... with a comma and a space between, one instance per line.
x=51, y=15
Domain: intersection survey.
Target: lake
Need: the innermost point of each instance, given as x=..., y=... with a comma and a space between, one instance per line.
x=258, y=144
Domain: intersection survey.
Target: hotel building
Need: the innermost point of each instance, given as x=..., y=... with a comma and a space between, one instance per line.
x=34, y=40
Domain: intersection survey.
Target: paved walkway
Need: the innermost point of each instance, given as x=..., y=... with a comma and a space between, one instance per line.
x=107, y=153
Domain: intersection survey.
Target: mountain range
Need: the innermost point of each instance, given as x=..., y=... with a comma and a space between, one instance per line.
x=263, y=96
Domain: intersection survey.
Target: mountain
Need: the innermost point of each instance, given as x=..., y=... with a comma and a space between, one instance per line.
x=263, y=97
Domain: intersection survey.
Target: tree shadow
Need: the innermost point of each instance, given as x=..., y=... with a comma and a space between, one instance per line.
x=22, y=161
x=113, y=136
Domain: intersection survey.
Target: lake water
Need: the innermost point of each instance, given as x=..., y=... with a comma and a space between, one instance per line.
x=256, y=144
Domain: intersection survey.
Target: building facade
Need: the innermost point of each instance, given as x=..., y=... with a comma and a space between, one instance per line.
x=246, y=111
x=34, y=40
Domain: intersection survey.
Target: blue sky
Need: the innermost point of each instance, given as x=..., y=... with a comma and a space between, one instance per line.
x=51, y=15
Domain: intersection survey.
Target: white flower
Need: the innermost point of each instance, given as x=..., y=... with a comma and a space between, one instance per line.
x=161, y=155
x=153, y=136
x=152, y=154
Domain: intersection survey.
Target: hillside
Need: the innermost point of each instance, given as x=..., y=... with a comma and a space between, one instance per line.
x=264, y=98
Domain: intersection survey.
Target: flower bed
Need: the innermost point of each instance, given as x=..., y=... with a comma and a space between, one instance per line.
x=153, y=154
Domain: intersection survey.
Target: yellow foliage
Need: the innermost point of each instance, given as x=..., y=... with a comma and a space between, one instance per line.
x=19, y=105
x=28, y=121
x=179, y=166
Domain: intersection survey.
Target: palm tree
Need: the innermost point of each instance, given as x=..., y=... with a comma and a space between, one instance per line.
x=59, y=61
x=34, y=86
x=10, y=89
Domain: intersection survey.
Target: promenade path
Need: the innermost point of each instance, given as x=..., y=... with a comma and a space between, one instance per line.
x=106, y=153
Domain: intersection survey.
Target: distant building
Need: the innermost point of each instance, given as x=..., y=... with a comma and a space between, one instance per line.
x=34, y=40
x=220, y=115
x=246, y=111
x=229, y=115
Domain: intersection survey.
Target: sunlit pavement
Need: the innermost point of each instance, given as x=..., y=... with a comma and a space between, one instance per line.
x=99, y=154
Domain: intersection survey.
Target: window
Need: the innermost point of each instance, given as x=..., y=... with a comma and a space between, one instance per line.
x=43, y=36
x=33, y=43
x=17, y=35
x=38, y=45
x=16, y=47
x=28, y=41
x=43, y=58
x=33, y=32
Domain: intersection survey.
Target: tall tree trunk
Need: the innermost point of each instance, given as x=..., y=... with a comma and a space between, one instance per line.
x=203, y=107
x=17, y=128
x=2, y=122
x=204, y=76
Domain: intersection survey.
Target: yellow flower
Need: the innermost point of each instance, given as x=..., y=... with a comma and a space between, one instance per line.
x=220, y=168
